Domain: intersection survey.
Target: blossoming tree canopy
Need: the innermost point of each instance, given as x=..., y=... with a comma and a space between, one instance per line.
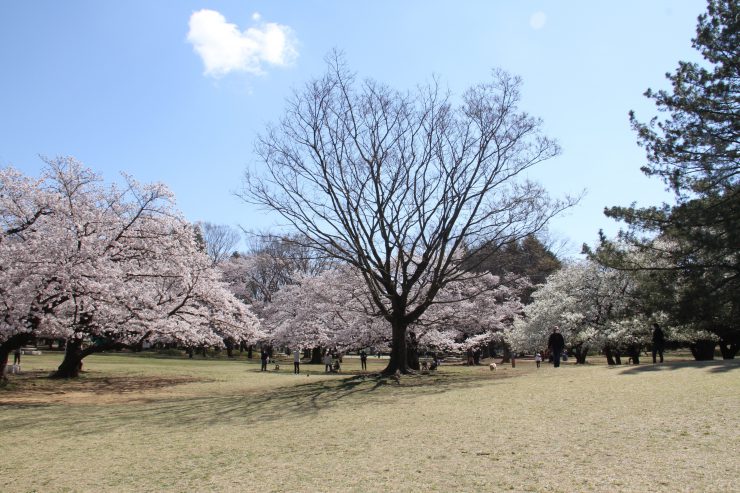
x=114, y=264
x=333, y=309
x=594, y=307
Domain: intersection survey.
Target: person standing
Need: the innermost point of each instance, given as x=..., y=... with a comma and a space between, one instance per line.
x=327, y=362
x=264, y=355
x=363, y=359
x=658, y=342
x=296, y=361
x=17, y=356
x=538, y=359
x=556, y=344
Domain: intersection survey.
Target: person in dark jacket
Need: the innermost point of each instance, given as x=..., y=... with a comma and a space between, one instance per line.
x=264, y=356
x=658, y=342
x=556, y=344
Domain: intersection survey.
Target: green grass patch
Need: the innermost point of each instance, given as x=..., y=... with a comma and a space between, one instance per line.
x=133, y=423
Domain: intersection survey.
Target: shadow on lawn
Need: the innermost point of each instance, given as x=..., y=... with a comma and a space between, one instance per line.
x=295, y=401
x=714, y=366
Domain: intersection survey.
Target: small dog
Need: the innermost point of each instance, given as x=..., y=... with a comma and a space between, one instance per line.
x=277, y=367
x=492, y=366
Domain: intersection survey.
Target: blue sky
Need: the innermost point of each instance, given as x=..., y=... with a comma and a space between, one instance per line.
x=176, y=91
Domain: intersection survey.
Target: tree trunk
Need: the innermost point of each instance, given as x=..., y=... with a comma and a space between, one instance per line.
x=72, y=363
x=316, y=356
x=229, y=343
x=507, y=354
x=728, y=348
x=634, y=352
x=249, y=351
x=580, y=354
x=399, y=355
x=703, y=350
x=618, y=358
x=412, y=352
x=609, y=356
x=3, y=363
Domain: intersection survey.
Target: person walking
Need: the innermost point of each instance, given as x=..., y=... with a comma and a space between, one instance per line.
x=296, y=361
x=264, y=356
x=658, y=342
x=556, y=344
x=538, y=359
x=363, y=359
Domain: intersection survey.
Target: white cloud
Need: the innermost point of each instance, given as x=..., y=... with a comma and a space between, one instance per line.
x=224, y=48
x=538, y=20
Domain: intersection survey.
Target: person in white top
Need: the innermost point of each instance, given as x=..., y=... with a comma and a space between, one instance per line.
x=327, y=362
x=296, y=361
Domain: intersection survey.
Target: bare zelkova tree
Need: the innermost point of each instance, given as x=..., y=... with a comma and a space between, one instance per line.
x=404, y=186
x=220, y=240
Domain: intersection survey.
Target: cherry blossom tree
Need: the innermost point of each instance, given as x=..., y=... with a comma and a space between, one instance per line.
x=596, y=308
x=117, y=265
x=471, y=313
x=27, y=285
x=332, y=309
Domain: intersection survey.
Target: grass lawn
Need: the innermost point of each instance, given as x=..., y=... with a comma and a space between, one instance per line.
x=133, y=423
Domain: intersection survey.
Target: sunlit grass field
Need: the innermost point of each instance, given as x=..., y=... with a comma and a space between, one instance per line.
x=134, y=423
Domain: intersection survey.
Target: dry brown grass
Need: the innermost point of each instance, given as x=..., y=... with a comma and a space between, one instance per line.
x=144, y=424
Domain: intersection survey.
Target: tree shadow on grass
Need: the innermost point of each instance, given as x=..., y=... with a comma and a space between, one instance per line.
x=713, y=366
x=282, y=403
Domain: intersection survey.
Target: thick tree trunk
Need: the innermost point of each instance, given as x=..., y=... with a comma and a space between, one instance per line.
x=249, y=351
x=316, y=356
x=412, y=352
x=609, y=356
x=72, y=362
x=507, y=354
x=74, y=354
x=618, y=358
x=399, y=354
x=634, y=352
x=703, y=350
x=3, y=364
x=229, y=343
x=580, y=354
x=728, y=348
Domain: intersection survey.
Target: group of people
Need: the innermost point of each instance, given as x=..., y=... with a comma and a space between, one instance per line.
x=332, y=362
